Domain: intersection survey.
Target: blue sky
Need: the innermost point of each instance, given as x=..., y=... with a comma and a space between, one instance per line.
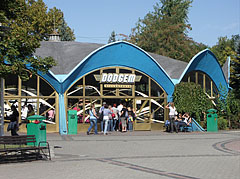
x=94, y=20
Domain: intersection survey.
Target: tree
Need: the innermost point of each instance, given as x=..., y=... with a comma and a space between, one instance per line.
x=235, y=70
x=190, y=97
x=223, y=49
x=230, y=47
x=57, y=22
x=27, y=22
x=229, y=108
x=112, y=38
x=164, y=31
x=66, y=34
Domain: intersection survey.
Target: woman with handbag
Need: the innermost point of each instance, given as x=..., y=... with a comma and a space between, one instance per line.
x=13, y=125
x=115, y=116
x=93, y=119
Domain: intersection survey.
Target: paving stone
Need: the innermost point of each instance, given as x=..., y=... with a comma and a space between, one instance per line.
x=143, y=154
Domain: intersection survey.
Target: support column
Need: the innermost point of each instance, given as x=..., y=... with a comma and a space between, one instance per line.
x=19, y=99
x=38, y=92
x=2, y=108
x=62, y=116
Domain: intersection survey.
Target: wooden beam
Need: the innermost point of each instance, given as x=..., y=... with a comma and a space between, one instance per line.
x=38, y=92
x=204, y=83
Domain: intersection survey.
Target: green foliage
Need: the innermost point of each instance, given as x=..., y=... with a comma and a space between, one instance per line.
x=224, y=48
x=66, y=34
x=164, y=31
x=235, y=69
x=112, y=38
x=58, y=22
x=28, y=21
x=222, y=123
x=189, y=97
x=229, y=108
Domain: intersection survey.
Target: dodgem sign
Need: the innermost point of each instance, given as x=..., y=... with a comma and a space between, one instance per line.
x=117, y=78
x=126, y=78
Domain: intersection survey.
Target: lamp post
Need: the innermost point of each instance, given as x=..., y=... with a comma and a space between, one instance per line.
x=2, y=29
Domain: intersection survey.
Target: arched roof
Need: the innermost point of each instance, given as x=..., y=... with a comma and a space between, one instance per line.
x=121, y=54
x=206, y=62
x=51, y=79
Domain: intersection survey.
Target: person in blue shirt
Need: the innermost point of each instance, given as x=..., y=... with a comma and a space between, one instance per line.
x=93, y=119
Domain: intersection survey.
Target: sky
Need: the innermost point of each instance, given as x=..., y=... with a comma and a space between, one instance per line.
x=94, y=20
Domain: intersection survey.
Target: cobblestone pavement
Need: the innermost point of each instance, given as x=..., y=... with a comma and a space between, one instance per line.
x=136, y=155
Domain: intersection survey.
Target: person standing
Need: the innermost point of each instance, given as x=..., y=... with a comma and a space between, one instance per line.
x=93, y=119
x=51, y=115
x=124, y=116
x=131, y=117
x=13, y=125
x=120, y=106
x=100, y=111
x=172, y=114
x=115, y=116
x=106, y=113
x=110, y=124
x=24, y=112
x=30, y=111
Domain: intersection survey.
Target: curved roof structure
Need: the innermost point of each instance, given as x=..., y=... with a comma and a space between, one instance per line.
x=74, y=59
x=69, y=54
x=121, y=54
x=206, y=62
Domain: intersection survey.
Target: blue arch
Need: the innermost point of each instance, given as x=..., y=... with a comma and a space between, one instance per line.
x=51, y=79
x=206, y=62
x=121, y=54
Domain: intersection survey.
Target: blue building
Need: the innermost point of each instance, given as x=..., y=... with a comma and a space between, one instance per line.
x=118, y=72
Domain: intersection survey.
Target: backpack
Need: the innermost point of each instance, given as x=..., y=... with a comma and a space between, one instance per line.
x=101, y=116
x=126, y=114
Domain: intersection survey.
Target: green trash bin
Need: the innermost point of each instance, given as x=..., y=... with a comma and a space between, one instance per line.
x=72, y=122
x=212, y=121
x=38, y=128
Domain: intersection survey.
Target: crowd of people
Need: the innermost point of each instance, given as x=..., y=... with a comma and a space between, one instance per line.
x=112, y=118
x=176, y=120
x=121, y=118
x=27, y=110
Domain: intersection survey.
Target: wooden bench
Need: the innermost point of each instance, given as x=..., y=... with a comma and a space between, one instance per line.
x=22, y=148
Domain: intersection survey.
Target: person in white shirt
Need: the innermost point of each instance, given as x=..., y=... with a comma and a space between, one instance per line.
x=119, y=108
x=186, y=120
x=115, y=116
x=24, y=112
x=100, y=111
x=7, y=109
x=106, y=114
x=172, y=114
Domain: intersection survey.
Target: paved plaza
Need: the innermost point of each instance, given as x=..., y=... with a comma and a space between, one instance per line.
x=140, y=155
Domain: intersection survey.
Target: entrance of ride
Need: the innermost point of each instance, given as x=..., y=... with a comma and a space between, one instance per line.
x=115, y=85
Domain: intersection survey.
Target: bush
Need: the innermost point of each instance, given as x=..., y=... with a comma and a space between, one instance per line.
x=190, y=97
x=222, y=123
x=229, y=108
